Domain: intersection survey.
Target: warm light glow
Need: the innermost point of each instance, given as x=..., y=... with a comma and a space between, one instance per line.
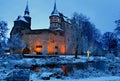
x=88, y=53
x=62, y=49
x=37, y=69
x=51, y=46
x=50, y=49
x=38, y=49
x=7, y=53
x=65, y=69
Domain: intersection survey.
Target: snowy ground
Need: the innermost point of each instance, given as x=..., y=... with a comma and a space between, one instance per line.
x=109, y=78
x=80, y=69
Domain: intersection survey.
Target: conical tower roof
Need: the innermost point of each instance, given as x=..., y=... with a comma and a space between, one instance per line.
x=55, y=11
x=27, y=13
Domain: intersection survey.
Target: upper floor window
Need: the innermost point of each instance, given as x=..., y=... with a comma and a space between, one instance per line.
x=55, y=19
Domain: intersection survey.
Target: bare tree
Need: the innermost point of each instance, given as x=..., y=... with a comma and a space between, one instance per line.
x=3, y=34
x=109, y=42
x=16, y=43
x=77, y=23
x=117, y=32
x=86, y=35
x=3, y=30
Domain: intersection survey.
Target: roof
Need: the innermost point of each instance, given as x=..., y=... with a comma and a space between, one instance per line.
x=59, y=29
x=21, y=18
x=26, y=13
x=40, y=31
x=55, y=11
x=27, y=9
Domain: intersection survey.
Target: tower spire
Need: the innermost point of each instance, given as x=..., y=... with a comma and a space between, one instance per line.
x=55, y=5
x=27, y=13
x=55, y=11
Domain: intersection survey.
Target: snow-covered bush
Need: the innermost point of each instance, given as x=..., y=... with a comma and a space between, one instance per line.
x=1, y=53
x=18, y=75
x=110, y=56
x=112, y=66
x=118, y=55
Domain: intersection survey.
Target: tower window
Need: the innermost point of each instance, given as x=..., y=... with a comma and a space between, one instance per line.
x=55, y=19
x=55, y=24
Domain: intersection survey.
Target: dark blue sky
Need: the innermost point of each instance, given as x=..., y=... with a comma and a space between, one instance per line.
x=102, y=13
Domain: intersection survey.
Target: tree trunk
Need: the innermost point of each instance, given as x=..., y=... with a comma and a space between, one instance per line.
x=76, y=54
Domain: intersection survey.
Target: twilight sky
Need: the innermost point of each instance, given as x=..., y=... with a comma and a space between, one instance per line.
x=102, y=13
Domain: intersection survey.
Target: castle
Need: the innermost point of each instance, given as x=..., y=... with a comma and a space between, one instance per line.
x=55, y=40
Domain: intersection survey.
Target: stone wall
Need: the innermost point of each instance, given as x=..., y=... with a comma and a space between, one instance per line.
x=45, y=42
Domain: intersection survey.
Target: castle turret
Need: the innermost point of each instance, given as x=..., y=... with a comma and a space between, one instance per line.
x=55, y=20
x=22, y=22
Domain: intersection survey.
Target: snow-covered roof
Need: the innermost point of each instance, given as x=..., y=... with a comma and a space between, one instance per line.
x=55, y=11
x=59, y=29
x=27, y=15
x=21, y=18
x=66, y=19
x=27, y=9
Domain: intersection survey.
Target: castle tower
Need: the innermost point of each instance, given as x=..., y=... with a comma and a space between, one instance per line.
x=55, y=20
x=27, y=14
x=22, y=23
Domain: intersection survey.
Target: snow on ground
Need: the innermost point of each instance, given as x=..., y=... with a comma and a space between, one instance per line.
x=108, y=78
x=77, y=73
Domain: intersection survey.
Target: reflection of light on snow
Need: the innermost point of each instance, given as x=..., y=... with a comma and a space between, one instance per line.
x=88, y=53
x=7, y=53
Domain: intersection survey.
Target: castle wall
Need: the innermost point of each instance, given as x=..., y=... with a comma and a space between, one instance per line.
x=45, y=43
